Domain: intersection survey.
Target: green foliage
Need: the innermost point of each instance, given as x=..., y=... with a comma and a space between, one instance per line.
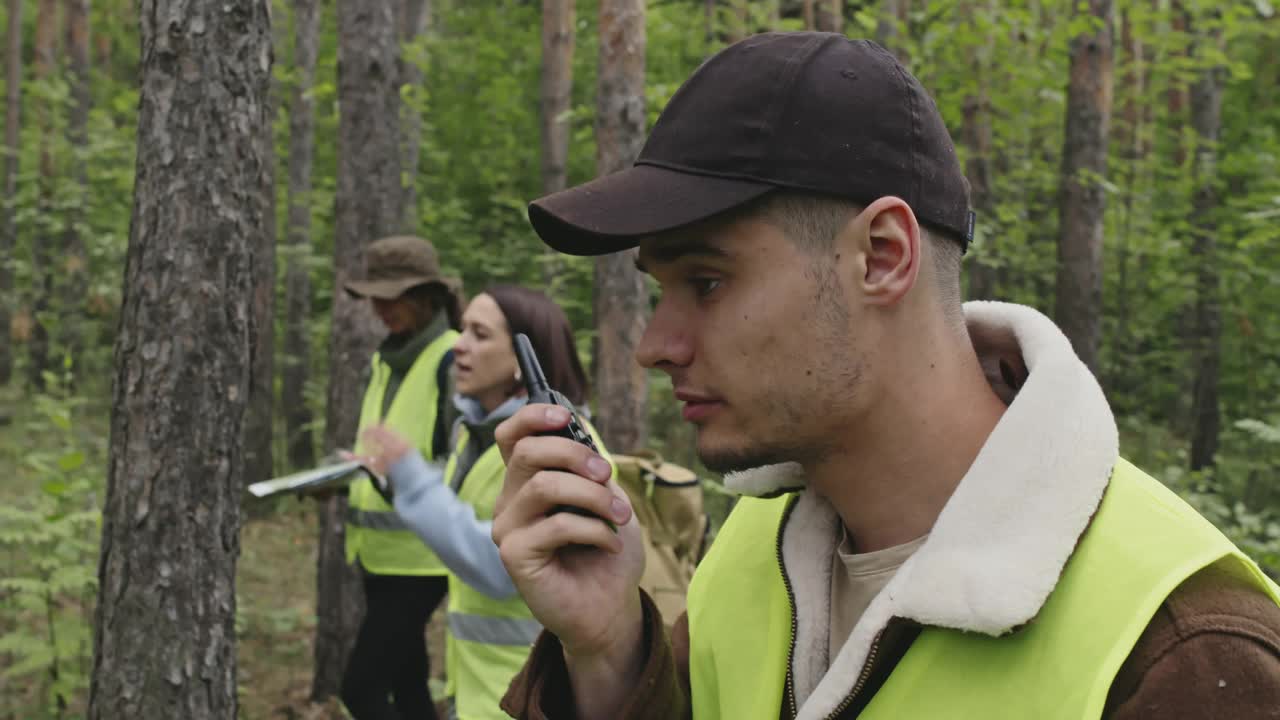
x=1237, y=495
x=49, y=549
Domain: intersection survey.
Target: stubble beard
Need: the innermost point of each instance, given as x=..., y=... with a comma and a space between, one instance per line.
x=803, y=407
x=727, y=460
x=780, y=443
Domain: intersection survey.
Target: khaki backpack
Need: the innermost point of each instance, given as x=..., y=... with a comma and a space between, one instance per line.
x=667, y=501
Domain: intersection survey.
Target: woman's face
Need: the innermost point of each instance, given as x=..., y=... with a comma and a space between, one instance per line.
x=484, y=364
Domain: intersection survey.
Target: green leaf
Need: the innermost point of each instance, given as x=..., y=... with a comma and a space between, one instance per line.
x=55, y=488
x=73, y=460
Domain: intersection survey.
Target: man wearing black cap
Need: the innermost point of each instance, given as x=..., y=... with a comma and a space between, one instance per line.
x=941, y=527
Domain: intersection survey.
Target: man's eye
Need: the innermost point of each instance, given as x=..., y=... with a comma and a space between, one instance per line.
x=704, y=286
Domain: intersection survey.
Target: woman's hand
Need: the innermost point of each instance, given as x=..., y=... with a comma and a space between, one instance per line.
x=383, y=447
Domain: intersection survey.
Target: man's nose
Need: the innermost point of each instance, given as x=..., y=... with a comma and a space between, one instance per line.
x=666, y=341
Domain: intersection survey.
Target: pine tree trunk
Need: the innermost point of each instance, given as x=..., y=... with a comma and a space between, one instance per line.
x=73, y=269
x=830, y=16
x=557, y=98
x=414, y=20
x=258, y=461
x=1206, y=119
x=806, y=10
x=621, y=296
x=1042, y=196
x=165, y=622
x=297, y=340
x=557, y=91
x=1129, y=135
x=1176, y=96
x=1078, y=306
x=43, y=244
x=367, y=206
x=977, y=136
x=738, y=22
x=893, y=18
x=9, y=228
x=709, y=15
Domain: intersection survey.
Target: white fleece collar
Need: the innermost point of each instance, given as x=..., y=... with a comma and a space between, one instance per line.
x=1002, y=540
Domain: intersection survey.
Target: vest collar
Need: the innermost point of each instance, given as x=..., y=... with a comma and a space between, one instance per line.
x=1000, y=544
x=400, y=352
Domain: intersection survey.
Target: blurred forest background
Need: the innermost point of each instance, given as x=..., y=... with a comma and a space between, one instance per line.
x=1125, y=161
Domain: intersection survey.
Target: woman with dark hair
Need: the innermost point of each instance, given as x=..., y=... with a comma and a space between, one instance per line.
x=386, y=674
x=490, y=630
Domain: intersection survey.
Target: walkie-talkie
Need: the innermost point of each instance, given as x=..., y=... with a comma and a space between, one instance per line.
x=535, y=383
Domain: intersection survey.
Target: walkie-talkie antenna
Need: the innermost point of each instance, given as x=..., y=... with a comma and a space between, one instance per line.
x=535, y=381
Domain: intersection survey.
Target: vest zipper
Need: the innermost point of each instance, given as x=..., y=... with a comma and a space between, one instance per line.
x=789, y=689
x=862, y=678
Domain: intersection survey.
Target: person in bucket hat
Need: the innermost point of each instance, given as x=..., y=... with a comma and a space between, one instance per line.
x=936, y=521
x=399, y=264
x=409, y=390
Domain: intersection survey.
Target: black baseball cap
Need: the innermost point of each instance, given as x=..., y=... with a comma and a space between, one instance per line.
x=806, y=111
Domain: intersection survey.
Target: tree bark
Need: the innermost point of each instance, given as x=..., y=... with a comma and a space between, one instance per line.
x=1176, y=96
x=737, y=21
x=1078, y=305
x=806, y=10
x=367, y=206
x=297, y=340
x=1206, y=119
x=557, y=91
x=415, y=17
x=557, y=97
x=9, y=229
x=73, y=270
x=893, y=17
x=1129, y=135
x=42, y=256
x=977, y=136
x=258, y=457
x=164, y=629
x=830, y=16
x=621, y=296
x=709, y=12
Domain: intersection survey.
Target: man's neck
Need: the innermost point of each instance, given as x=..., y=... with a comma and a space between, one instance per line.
x=891, y=478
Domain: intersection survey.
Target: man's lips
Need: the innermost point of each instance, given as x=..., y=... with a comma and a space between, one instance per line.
x=697, y=406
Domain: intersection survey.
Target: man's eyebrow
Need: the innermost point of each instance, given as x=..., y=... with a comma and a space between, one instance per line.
x=671, y=252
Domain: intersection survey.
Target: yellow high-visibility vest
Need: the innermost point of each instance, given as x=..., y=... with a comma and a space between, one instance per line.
x=375, y=534
x=1142, y=543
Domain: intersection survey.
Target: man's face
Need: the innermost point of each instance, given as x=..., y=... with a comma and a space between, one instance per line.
x=757, y=336
x=397, y=315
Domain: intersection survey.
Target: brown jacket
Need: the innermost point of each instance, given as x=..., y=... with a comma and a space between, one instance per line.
x=1211, y=652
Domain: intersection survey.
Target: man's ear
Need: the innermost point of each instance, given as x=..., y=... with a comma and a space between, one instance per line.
x=891, y=247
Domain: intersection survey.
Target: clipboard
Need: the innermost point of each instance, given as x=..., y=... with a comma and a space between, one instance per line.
x=326, y=476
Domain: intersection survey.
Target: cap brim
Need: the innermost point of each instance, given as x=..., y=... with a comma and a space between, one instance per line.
x=387, y=289
x=615, y=212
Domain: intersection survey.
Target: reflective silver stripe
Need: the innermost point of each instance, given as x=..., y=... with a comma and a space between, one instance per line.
x=375, y=519
x=493, y=630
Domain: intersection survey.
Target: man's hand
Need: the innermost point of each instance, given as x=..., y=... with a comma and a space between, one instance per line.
x=580, y=579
